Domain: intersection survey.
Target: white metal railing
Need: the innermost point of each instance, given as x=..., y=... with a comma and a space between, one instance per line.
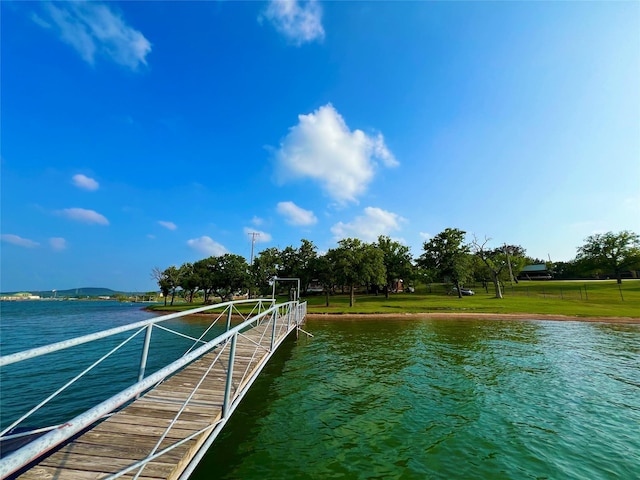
x=277, y=321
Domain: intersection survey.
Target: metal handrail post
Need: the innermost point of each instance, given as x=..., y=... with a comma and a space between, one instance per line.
x=227, y=387
x=273, y=329
x=145, y=352
x=229, y=318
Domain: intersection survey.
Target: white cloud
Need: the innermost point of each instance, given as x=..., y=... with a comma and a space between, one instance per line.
x=84, y=215
x=262, y=237
x=298, y=22
x=370, y=226
x=425, y=236
x=168, y=225
x=93, y=29
x=323, y=148
x=19, y=241
x=84, y=182
x=57, y=243
x=207, y=246
x=294, y=215
x=257, y=221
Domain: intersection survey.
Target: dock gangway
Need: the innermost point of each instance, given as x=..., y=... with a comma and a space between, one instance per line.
x=160, y=423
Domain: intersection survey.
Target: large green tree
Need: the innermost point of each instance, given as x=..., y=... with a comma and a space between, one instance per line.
x=188, y=280
x=306, y=255
x=611, y=253
x=323, y=270
x=164, y=282
x=296, y=262
x=357, y=263
x=230, y=274
x=204, y=270
x=397, y=261
x=168, y=281
x=265, y=266
x=570, y=270
x=448, y=256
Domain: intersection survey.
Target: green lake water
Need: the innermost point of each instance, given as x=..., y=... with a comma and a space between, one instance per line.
x=387, y=399
x=441, y=399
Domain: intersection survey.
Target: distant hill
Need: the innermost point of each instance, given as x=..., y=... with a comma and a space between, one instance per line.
x=74, y=292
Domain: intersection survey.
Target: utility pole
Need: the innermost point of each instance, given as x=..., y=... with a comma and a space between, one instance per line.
x=253, y=235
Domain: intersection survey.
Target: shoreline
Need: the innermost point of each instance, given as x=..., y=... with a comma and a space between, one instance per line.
x=470, y=316
x=337, y=317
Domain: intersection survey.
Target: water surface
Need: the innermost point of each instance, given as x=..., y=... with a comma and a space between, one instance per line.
x=410, y=399
x=441, y=399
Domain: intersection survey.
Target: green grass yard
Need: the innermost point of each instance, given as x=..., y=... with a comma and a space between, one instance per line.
x=594, y=298
x=583, y=299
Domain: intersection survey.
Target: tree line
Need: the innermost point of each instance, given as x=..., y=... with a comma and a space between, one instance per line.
x=383, y=265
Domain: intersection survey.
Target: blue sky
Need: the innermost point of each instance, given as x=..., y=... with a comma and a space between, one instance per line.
x=143, y=134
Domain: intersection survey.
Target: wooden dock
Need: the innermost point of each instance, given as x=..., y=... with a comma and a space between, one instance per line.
x=139, y=430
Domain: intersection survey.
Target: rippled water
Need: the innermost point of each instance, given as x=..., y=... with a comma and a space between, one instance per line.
x=409, y=399
x=26, y=325
x=441, y=399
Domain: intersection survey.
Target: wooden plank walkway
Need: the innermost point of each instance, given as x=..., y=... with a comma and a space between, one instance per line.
x=131, y=434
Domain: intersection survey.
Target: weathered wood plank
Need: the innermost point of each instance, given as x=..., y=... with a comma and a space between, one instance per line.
x=132, y=452
x=136, y=440
x=126, y=417
x=47, y=473
x=94, y=463
x=164, y=411
x=131, y=428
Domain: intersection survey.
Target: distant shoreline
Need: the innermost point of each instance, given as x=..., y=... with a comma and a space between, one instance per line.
x=469, y=316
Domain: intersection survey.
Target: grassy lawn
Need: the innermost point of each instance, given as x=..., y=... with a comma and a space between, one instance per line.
x=602, y=298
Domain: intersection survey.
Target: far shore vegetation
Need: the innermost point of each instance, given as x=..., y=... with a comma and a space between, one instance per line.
x=451, y=274
x=594, y=298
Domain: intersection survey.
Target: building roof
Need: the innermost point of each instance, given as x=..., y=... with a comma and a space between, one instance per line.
x=540, y=267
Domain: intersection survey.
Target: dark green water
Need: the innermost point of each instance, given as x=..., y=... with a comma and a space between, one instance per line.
x=434, y=399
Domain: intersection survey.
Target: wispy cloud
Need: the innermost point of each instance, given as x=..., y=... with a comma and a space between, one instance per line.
x=425, y=236
x=207, y=246
x=57, y=243
x=168, y=225
x=299, y=22
x=84, y=182
x=294, y=215
x=262, y=237
x=83, y=215
x=92, y=29
x=39, y=20
x=323, y=148
x=19, y=241
x=257, y=221
x=370, y=226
